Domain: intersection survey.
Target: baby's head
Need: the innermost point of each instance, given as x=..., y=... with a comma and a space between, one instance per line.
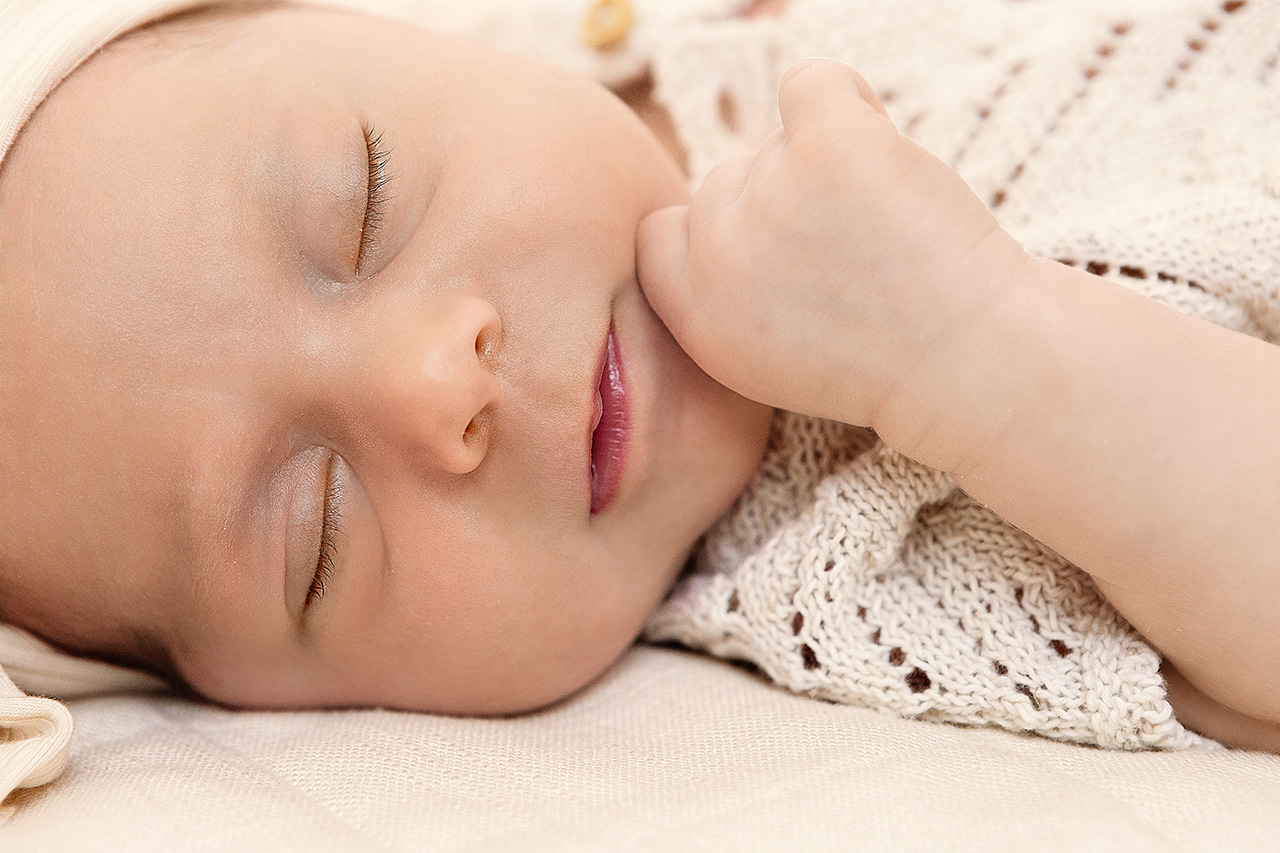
x=303, y=317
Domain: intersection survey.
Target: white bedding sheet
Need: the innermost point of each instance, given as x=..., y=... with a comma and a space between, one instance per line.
x=669, y=751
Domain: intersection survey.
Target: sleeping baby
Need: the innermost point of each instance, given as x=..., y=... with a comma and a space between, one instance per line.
x=343, y=365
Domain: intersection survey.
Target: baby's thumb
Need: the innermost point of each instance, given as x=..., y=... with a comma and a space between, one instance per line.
x=662, y=245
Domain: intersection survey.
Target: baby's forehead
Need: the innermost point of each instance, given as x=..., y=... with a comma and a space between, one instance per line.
x=163, y=127
x=204, y=32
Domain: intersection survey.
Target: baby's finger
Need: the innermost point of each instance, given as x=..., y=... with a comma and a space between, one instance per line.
x=662, y=245
x=723, y=185
x=812, y=89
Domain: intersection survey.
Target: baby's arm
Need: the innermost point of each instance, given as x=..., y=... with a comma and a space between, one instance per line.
x=845, y=272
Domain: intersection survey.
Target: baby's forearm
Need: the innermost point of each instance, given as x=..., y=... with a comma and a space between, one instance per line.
x=1141, y=444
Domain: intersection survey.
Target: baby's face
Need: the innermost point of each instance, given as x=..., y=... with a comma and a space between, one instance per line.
x=318, y=454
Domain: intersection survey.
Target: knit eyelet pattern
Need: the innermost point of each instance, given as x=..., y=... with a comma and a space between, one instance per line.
x=852, y=574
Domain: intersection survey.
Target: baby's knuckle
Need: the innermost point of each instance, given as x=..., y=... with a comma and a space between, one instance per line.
x=821, y=146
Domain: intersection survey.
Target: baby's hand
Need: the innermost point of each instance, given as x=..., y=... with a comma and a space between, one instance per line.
x=823, y=273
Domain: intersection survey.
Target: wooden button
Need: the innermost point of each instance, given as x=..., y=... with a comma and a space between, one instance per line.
x=607, y=24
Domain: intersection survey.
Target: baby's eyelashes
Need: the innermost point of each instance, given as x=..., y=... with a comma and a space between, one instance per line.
x=376, y=196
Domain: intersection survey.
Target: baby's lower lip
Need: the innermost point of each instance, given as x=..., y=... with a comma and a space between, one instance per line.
x=609, y=441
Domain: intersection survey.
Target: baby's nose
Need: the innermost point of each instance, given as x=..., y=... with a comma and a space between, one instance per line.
x=435, y=380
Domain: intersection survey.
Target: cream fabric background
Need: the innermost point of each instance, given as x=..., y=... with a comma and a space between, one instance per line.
x=669, y=751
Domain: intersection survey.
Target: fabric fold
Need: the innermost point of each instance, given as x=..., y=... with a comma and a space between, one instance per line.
x=35, y=737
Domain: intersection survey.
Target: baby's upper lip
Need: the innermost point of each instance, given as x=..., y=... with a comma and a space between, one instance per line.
x=611, y=425
x=595, y=406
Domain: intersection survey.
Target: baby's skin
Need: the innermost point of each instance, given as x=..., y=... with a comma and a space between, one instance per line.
x=846, y=273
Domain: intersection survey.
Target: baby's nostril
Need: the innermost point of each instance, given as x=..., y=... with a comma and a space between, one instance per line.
x=477, y=432
x=487, y=346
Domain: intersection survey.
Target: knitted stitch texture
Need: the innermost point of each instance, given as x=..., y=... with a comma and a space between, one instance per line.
x=1135, y=140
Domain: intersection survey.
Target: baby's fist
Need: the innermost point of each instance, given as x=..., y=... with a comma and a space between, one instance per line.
x=816, y=274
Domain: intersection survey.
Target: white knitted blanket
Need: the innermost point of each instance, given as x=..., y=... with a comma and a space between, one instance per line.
x=1137, y=140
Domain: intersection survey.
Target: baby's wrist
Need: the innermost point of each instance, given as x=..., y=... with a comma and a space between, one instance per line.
x=942, y=405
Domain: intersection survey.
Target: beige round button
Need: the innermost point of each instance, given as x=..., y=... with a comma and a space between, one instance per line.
x=607, y=23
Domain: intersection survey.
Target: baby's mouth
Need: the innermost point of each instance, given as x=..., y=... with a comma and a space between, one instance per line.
x=609, y=440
